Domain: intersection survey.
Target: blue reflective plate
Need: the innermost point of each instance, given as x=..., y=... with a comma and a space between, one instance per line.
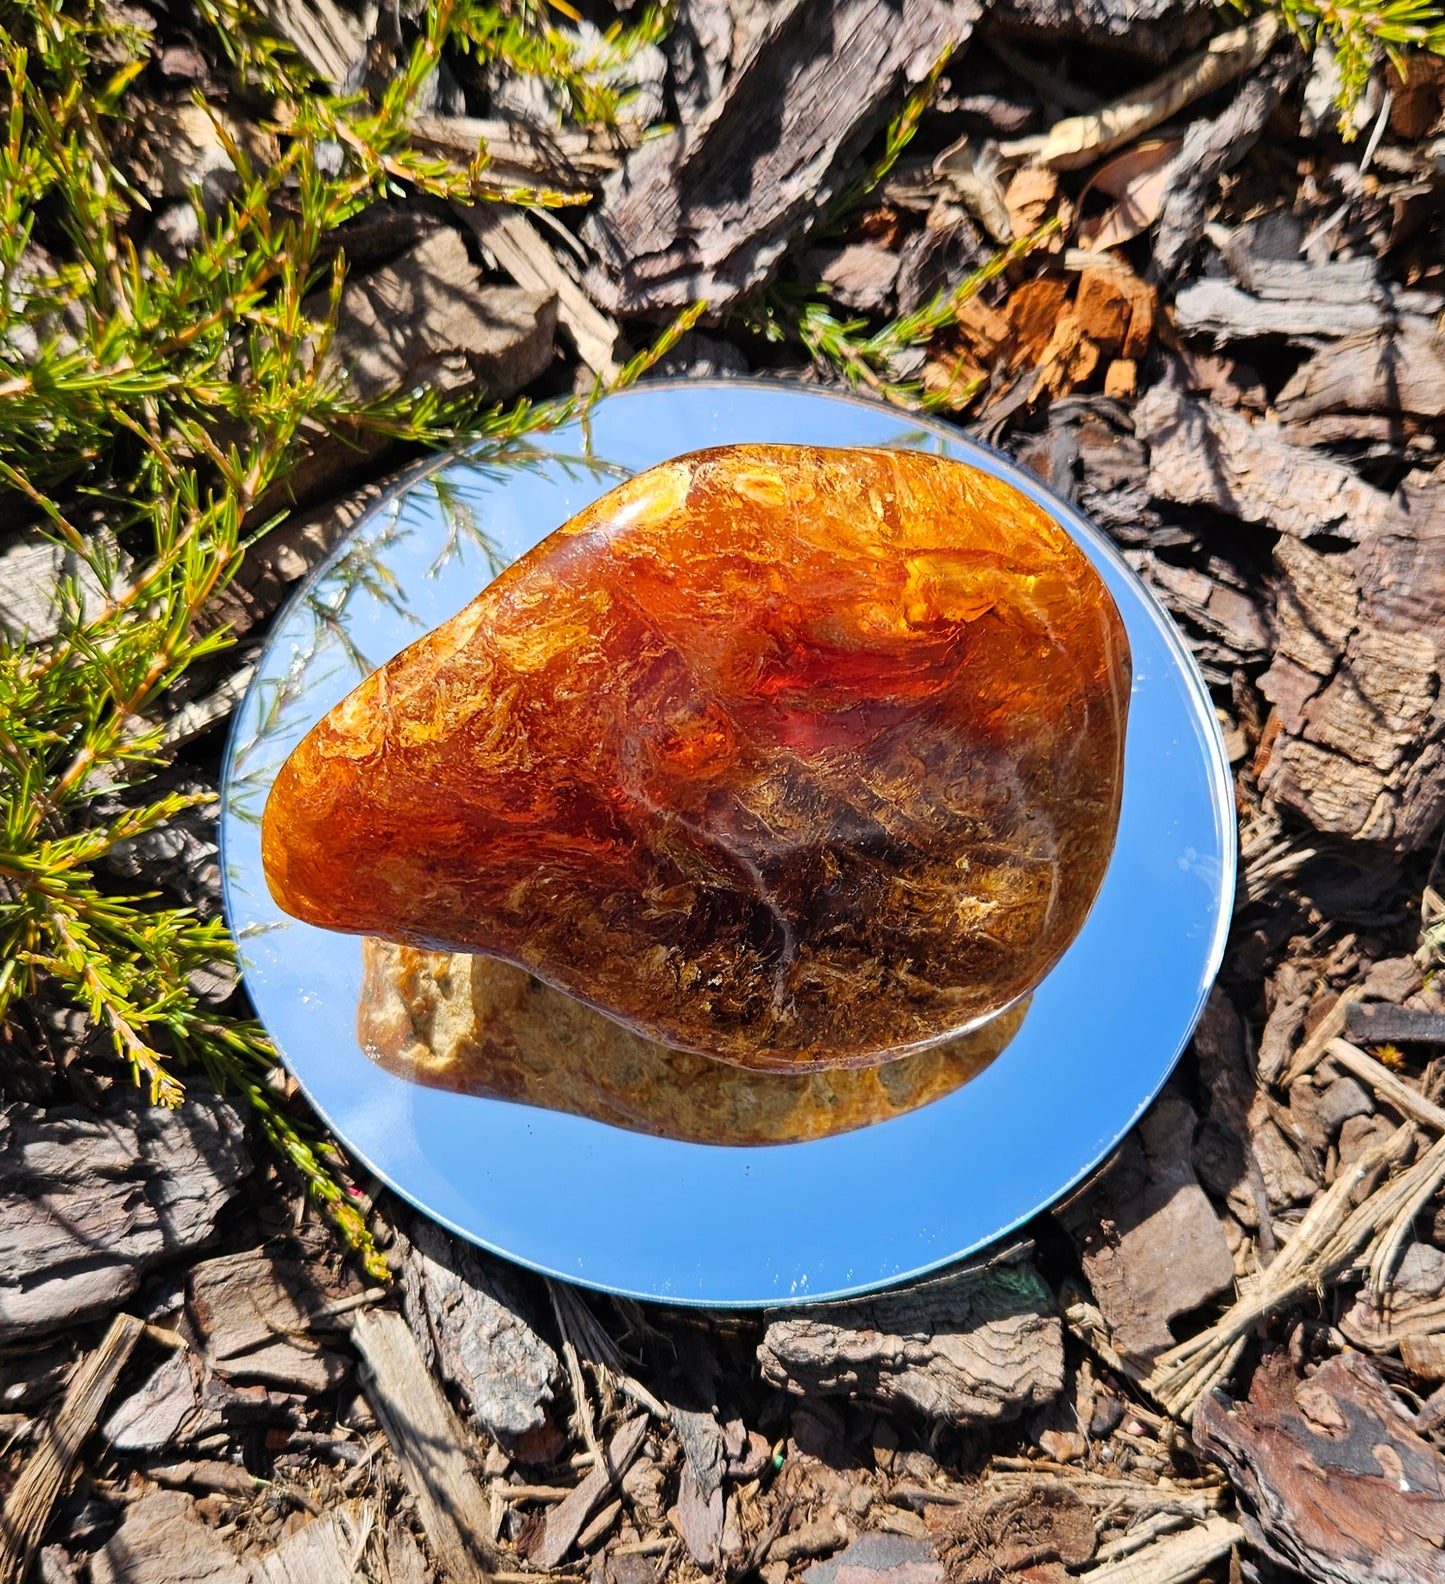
x=692, y=1223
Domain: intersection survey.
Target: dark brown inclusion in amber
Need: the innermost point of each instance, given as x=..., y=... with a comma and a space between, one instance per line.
x=789, y=756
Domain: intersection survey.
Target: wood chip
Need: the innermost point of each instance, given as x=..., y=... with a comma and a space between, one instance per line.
x=254, y=1311
x=1151, y=1243
x=54, y=1450
x=1029, y=196
x=528, y=258
x=1424, y=1355
x=428, y=1440
x=1068, y=360
x=1334, y=1478
x=973, y=1348
x=565, y=1520
x=164, y=1540
x=1034, y=310
x=880, y=1559
x=325, y=1551
x=156, y=1414
x=88, y=1202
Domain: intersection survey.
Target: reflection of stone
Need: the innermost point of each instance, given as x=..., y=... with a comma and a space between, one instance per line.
x=483, y=1027
x=793, y=757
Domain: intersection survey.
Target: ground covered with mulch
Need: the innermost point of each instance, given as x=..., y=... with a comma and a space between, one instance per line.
x=1211, y=319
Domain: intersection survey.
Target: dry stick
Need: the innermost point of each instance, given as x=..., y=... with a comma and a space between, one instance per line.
x=48, y=1469
x=428, y=1440
x=1384, y=1253
x=1080, y=140
x=560, y=1313
x=1325, y=1243
x=1175, y=1559
x=1410, y=1102
x=1331, y=1026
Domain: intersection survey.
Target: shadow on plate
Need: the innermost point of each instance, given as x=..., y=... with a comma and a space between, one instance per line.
x=480, y=1026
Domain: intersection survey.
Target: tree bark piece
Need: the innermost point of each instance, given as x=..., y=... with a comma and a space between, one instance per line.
x=487, y=1346
x=1201, y=454
x=89, y=1202
x=698, y=1515
x=1400, y=371
x=975, y=1348
x=428, y=1440
x=1333, y=1477
x=54, y=1452
x=325, y=1551
x=1220, y=309
x=565, y=1520
x=1151, y=1244
x=163, y=1540
x=253, y=1311
x=1209, y=149
x=1356, y=743
x=426, y=319
x=708, y=211
x=521, y=155
x=1154, y=30
x=325, y=37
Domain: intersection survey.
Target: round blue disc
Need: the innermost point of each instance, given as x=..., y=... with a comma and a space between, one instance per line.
x=706, y=1224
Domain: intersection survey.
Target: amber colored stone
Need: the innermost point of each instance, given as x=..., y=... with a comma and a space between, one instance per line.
x=479, y=1026
x=790, y=756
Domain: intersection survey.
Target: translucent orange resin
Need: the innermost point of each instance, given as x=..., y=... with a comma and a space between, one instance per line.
x=794, y=757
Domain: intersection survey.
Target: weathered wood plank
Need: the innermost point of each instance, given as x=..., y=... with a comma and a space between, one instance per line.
x=53, y=1455
x=428, y=1440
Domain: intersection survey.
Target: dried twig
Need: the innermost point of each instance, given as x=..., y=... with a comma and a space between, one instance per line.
x=1173, y=1559
x=1079, y=140
x=48, y=1468
x=1326, y=1243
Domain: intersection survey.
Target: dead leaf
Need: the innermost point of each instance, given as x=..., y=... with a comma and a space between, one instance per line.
x=1140, y=180
x=971, y=174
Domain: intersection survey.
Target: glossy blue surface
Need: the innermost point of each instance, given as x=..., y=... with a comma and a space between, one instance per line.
x=702, y=1224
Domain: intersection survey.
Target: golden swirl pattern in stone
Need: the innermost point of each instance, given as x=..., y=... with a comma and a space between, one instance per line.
x=795, y=757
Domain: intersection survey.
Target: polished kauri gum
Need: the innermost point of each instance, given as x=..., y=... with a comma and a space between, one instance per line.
x=794, y=757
